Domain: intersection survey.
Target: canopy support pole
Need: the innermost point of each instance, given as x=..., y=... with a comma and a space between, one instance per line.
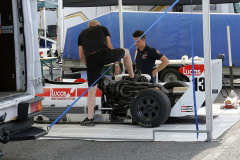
x=45, y=26
x=60, y=39
x=207, y=68
x=121, y=28
x=120, y=23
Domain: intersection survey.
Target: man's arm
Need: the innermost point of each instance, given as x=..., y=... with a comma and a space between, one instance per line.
x=164, y=63
x=117, y=66
x=81, y=54
x=109, y=44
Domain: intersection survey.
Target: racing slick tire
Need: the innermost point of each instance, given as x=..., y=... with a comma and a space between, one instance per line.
x=150, y=108
x=169, y=86
x=170, y=74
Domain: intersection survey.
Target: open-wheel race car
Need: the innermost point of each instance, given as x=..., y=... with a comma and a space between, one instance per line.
x=124, y=100
x=147, y=104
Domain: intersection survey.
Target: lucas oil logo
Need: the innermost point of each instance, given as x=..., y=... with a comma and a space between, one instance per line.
x=63, y=93
x=187, y=70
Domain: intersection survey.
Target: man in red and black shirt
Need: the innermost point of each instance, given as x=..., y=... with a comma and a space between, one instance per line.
x=146, y=56
x=95, y=50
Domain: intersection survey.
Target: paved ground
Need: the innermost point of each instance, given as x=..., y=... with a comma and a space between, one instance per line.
x=225, y=147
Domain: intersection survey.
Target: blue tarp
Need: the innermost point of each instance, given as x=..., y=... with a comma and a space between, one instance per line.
x=171, y=35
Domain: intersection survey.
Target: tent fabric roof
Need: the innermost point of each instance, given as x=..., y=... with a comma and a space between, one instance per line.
x=92, y=3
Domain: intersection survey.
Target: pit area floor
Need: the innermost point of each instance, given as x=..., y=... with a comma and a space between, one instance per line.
x=175, y=129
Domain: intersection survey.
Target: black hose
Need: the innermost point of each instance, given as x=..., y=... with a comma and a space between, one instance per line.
x=225, y=89
x=125, y=93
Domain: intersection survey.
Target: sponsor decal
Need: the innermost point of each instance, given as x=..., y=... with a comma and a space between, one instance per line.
x=63, y=94
x=66, y=93
x=144, y=56
x=187, y=70
x=186, y=108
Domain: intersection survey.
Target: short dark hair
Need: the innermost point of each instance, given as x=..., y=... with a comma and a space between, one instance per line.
x=138, y=33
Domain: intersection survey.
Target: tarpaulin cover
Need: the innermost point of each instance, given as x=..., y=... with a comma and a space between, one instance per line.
x=94, y=3
x=171, y=35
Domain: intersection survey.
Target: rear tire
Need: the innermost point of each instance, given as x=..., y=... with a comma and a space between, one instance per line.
x=150, y=108
x=170, y=74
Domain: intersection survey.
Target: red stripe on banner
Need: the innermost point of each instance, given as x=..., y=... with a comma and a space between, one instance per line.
x=46, y=93
x=80, y=91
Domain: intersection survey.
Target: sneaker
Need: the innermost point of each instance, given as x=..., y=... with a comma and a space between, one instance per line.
x=87, y=122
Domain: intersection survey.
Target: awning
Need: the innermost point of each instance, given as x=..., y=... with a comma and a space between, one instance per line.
x=91, y=3
x=47, y=4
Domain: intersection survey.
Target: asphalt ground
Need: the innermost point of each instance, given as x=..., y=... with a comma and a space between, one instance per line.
x=225, y=147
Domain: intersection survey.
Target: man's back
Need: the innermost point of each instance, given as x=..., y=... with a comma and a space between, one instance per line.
x=93, y=38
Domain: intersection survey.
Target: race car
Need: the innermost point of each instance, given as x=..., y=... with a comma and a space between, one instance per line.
x=121, y=99
x=149, y=103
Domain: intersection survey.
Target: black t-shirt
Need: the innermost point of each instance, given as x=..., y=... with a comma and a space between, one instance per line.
x=146, y=58
x=93, y=39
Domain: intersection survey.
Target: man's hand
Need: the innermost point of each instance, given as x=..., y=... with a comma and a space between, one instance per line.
x=154, y=72
x=117, y=69
x=164, y=63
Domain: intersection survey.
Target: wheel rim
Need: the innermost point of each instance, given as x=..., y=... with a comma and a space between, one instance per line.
x=148, y=108
x=170, y=77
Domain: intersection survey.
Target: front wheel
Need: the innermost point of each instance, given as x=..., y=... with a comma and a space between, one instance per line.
x=150, y=108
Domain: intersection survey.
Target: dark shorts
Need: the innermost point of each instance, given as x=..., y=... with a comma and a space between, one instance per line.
x=95, y=62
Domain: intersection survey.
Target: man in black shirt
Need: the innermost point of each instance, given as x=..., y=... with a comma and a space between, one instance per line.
x=146, y=56
x=95, y=50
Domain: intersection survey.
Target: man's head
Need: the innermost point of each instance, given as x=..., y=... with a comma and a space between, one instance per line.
x=141, y=42
x=93, y=23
